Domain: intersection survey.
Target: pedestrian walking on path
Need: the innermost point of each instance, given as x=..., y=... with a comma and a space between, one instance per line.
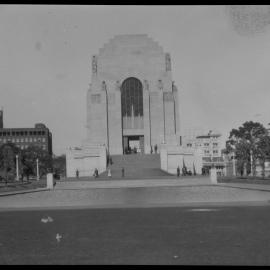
x=109, y=173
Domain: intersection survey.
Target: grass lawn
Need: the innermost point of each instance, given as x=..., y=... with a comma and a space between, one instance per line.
x=19, y=185
x=247, y=180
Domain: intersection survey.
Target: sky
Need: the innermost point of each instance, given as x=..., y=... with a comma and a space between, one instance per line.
x=220, y=62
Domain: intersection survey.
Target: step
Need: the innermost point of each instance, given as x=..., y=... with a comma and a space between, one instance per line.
x=136, y=166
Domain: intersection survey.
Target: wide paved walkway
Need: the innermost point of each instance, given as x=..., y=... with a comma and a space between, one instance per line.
x=158, y=182
x=137, y=193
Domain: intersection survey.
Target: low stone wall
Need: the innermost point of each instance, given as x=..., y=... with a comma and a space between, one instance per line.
x=172, y=156
x=85, y=160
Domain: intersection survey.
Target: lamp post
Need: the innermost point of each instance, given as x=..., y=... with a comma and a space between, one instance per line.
x=211, y=149
x=17, y=168
x=213, y=171
x=160, y=86
x=149, y=112
x=37, y=170
x=234, y=169
x=104, y=87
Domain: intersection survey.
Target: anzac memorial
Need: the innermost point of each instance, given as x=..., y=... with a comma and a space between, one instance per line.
x=132, y=104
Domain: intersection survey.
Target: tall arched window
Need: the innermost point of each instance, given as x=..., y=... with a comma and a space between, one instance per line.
x=132, y=103
x=132, y=97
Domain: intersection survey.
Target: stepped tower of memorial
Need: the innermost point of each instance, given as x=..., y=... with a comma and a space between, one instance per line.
x=132, y=99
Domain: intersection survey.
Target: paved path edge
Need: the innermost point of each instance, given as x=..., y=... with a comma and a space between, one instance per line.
x=23, y=191
x=118, y=206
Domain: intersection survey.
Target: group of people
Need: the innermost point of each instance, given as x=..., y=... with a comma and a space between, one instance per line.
x=185, y=171
x=155, y=147
x=95, y=173
x=205, y=171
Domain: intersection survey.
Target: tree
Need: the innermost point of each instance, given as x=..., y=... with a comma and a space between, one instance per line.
x=59, y=165
x=8, y=154
x=29, y=158
x=244, y=141
x=264, y=152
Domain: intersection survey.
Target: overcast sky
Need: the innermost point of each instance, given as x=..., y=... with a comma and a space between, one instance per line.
x=220, y=62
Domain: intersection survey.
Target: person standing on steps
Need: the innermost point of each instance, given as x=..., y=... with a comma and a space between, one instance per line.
x=109, y=173
x=178, y=171
x=123, y=172
x=96, y=173
x=155, y=148
x=77, y=173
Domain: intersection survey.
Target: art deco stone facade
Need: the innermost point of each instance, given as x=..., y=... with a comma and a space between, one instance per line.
x=132, y=95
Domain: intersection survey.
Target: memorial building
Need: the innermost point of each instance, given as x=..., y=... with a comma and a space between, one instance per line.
x=132, y=103
x=132, y=100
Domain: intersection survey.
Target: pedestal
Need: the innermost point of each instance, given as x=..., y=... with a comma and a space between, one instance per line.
x=50, y=180
x=213, y=175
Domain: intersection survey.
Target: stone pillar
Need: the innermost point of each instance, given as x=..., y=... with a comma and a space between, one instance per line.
x=213, y=175
x=49, y=180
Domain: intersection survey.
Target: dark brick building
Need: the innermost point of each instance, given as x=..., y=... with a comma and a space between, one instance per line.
x=39, y=135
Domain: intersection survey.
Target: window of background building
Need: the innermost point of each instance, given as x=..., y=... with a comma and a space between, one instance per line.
x=22, y=147
x=26, y=139
x=13, y=133
x=39, y=132
x=34, y=133
x=44, y=147
x=43, y=139
x=17, y=133
x=17, y=140
x=13, y=140
x=215, y=144
x=8, y=133
x=0, y=133
x=4, y=133
x=22, y=139
x=43, y=133
x=215, y=151
x=30, y=132
x=206, y=144
x=34, y=139
x=21, y=133
x=30, y=139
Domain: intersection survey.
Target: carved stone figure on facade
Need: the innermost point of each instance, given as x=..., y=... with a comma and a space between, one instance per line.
x=117, y=86
x=160, y=85
x=146, y=85
x=103, y=86
x=168, y=62
x=94, y=64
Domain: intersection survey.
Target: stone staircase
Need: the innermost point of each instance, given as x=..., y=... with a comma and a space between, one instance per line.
x=136, y=166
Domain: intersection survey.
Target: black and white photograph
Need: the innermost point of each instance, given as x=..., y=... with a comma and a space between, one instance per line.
x=134, y=134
